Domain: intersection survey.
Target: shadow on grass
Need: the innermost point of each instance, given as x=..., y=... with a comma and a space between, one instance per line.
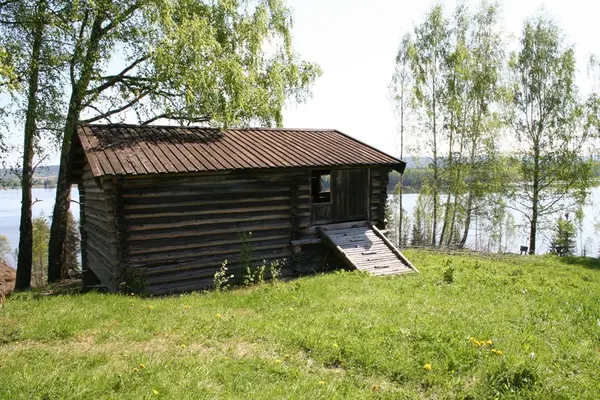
x=587, y=262
x=64, y=287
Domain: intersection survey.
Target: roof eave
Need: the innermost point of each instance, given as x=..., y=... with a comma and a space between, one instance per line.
x=400, y=167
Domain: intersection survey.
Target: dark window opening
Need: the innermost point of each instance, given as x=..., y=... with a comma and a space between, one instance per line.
x=320, y=186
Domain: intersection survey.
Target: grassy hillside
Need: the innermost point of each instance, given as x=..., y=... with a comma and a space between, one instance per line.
x=340, y=335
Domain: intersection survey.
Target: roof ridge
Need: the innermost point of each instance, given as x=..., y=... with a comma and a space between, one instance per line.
x=256, y=128
x=146, y=126
x=231, y=128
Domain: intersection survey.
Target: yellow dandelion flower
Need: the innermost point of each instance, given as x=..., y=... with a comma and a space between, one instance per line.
x=136, y=370
x=218, y=315
x=183, y=346
x=427, y=367
x=471, y=339
x=477, y=343
x=186, y=307
x=335, y=346
x=291, y=309
x=321, y=382
x=499, y=352
x=142, y=366
x=155, y=392
x=287, y=356
x=150, y=307
x=277, y=361
x=490, y=342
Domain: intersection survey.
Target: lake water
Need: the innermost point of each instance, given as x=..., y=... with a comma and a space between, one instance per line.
x=10, y=208
x=588, y=236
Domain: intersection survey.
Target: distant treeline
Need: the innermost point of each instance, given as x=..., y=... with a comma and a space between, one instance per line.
x=414, y=177
x=43, y=177
x=38, y=182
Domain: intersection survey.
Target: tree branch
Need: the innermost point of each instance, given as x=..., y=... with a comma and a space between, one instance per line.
x=113, y=80
x=521, y=211
x=123, y=17
x=175, y=118
x=107, y=114
x=38, y=163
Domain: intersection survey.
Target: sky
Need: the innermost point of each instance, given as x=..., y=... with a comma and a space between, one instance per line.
x=355, y=43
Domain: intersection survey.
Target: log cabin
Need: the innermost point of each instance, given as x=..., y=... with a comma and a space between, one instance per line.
x=162, y=207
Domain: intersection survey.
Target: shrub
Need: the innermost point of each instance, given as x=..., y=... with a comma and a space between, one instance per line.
x=72, y=246
x=275, y=270
x=4, y=248
x=254, y=276
x=41, y=236
x=221, y=279
x=563, y=242
x=449, y=272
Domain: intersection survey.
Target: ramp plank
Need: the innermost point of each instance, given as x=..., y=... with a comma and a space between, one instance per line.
x=363, y=247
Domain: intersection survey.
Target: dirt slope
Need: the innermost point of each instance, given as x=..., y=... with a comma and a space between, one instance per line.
x=7, y=278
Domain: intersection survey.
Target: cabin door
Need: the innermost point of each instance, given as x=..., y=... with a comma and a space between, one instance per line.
x=349, y=192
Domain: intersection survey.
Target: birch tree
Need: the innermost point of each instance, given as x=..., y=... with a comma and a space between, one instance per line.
x=484, y=172
x=401, y=93
x=428, y=63
x=27, y=31
x=457, y=107
x=457, y=67
x=547, y=125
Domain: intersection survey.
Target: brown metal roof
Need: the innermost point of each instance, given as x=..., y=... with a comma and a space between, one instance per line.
x=139, y=150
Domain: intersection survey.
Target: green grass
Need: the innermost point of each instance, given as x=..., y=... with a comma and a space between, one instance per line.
x=340, y=335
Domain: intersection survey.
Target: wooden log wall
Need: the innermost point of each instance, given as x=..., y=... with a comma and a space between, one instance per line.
x=174, y=232
x=98, y=240
x=179, y=230
x=379, y=183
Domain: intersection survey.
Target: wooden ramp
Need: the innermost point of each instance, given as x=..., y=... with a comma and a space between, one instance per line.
x=365, y=248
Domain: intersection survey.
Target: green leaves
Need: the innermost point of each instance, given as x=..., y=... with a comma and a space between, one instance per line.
x=456, y=67
x=465, y=107
x=8, y=77
x=229, y=62
x=547, y=120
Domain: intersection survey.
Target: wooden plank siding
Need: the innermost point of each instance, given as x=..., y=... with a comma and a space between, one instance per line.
x=378, y=198
x=98, y=240
x=179, y=230
x=173, y=232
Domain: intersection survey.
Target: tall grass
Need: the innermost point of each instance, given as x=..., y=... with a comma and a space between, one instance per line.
x=341, y=335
